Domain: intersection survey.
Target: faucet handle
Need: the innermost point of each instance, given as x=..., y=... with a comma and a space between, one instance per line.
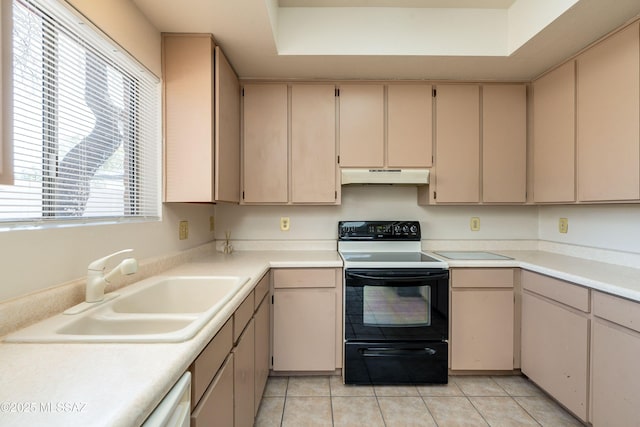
x=100, y=264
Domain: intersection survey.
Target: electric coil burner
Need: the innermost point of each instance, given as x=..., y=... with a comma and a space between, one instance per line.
x=396, y=305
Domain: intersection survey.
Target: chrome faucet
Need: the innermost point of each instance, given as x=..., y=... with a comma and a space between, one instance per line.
x=97, y=279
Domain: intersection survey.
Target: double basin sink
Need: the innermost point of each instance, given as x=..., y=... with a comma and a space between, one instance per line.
x=159, y=309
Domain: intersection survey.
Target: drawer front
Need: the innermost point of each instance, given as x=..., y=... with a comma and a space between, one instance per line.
x=304, y=278
x=242, y=316
x=557, y=290
x=216, y=407
x=261, y=289
x=482, y=278
x=618, y=310
x=204, y=368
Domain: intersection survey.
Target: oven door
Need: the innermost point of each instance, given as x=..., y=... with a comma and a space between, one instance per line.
x=396, y=304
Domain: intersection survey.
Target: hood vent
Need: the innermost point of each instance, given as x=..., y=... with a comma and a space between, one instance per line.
x=385, y=176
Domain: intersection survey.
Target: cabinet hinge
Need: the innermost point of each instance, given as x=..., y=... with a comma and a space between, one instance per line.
x=434, y=93
x=337, y=92
x=338, y=159
x=271, y=299
x=434, y=195
x=242, y=91
x=243, y=195
x=335, y=197
x=271, y=360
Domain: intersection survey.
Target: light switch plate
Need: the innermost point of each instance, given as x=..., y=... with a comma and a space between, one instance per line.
x=475, y=223
x=563, y=225
x=183, y=230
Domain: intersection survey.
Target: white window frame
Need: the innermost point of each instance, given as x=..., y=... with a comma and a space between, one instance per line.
x=148, y=178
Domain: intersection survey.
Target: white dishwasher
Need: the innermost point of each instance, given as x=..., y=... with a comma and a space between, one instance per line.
x=174, y=410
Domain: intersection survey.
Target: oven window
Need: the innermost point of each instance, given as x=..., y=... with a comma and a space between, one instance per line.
x=396, y=306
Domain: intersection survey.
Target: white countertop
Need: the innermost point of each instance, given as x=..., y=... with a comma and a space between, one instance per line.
x=119, y=384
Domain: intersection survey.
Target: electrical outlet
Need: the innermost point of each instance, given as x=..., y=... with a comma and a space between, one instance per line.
x=284, y=223
x=563, y=225
x=212, y=224
x=183, y=230
x=475, y=224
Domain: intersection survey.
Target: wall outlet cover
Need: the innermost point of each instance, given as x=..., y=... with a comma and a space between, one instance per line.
x=284, y=223
x=563, y=225
x=475, y=223
x=183, y=230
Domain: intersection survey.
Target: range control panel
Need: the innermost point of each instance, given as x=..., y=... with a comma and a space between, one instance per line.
x=379, y=230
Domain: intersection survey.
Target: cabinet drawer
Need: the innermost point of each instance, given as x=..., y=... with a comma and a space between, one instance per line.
x=242, y=316
x=261, y=289
x=304, y=278
x=558, y=290
x=482, y=278
x=216, y=407
x=204, y=368
x=618, y=310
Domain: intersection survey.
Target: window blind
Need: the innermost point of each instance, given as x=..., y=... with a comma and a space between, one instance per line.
x=86, y=123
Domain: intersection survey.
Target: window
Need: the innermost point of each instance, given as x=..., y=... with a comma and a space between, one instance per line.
x=86, y=138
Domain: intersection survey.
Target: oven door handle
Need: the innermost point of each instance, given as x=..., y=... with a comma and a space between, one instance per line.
x=398, y=279
x=395, y=352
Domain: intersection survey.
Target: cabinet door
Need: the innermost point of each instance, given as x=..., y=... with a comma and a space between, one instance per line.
x=615, y=385
x=482, y=329
x=313, y=144
x=216, y=406
x=361, y=126
x=457, y=144
x=262, y=340
x=304, y=327
x=244, y=378
x=265, y=151
x=504, y=143
x=409, y=123
x=554, y=114
x=555, y=351
x=608, y=110
x=188, y=102
x=227, y=131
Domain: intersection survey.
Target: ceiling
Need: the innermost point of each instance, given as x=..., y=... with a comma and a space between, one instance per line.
x=505, y=40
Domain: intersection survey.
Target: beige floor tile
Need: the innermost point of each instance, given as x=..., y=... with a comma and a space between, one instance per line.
x=547, y=412
x=276, y=387
x=339, y=389
x=502, y=412
x=356, y=412
x=516, y=385
x=454, y=412
x=308, y=386
x=450, y=389
x=396, y=391
x=478, y=386
x=307, y=411
x=270, y=412
x=405, y=412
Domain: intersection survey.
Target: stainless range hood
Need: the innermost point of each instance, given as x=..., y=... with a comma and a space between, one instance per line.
x=385, y=176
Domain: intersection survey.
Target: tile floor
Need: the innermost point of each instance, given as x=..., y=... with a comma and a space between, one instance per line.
x=465, y=401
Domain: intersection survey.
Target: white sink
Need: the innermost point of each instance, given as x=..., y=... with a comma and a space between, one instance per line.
x=160, y=309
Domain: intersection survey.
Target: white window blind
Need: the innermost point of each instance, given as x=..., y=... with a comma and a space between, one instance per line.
x=86, y=123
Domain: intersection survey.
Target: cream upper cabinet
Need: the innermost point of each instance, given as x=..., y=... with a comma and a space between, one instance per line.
x=409, y=125
x=504, y=143
x=202, y=159
x=554, y=152
x=361, y=125
x=608, y=107
x=265, y=145
x=313, y=144
x=457, y=174
x=227, y=131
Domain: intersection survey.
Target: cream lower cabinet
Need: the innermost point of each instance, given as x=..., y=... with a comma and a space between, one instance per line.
x=615, y=346
x=307, y=313
x=482, y=318
x=555, y=339
x=230, y=374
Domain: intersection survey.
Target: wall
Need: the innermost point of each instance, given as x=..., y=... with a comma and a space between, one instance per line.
x=376, y=203
x=612, y=227
x=36, y=259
